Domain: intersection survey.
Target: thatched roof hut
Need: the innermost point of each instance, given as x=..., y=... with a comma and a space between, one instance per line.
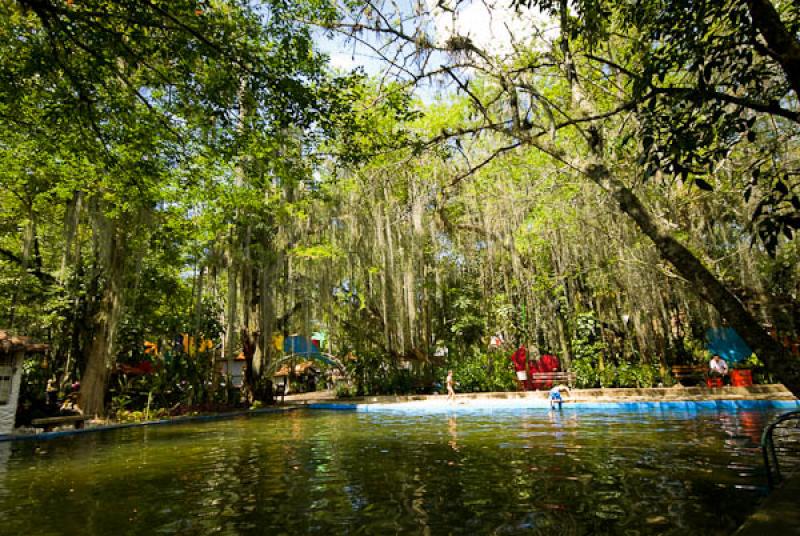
x=13, y=349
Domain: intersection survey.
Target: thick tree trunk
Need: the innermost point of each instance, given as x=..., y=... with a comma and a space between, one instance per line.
x=197, y=313
x=100, y=358
x=249, y=345
x=230, y=345
x=701, y=280
x=267, y=321
x=71, y=220
x=101, y=353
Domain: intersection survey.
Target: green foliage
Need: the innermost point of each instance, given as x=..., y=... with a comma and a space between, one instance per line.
x=695, y=350
x=586, y=375
x=594, y=368
x=468, y=326
x=587, y=351
x=204, y=161
x=375, y=375
x=751, y=363
x=316, y=252
x=702, y=83
x=179, y=380
x=33, y=386
x=635, y=375
x=623, y=374
x=345, y=391
x=126, y=416
x=120, y=402
x=478, y=371
x=474, y=371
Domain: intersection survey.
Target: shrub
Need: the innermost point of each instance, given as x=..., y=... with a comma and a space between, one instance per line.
x=481, y=372
x=635, y=375
x=624, y=374
x=345, y=391
x=585, y=373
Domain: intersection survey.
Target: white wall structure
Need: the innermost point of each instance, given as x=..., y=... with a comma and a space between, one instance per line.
x=10, y=378
x=236, y=373
x=12, y=352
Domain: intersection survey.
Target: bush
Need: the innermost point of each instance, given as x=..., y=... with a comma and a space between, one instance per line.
x=608, y=376
x=588, y=348
x=345, y=391
x=587, y=375
x=635, y=375
x=482, y=372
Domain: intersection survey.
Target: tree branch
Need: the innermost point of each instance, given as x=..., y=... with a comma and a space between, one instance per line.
x=484, y=162
x=697, y=95
x=42, y=276
x=783, y=47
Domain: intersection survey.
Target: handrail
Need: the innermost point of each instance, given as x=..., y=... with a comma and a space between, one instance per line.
x=768, y=448
x=330, y=357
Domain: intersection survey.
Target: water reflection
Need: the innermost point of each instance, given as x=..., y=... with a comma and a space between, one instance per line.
x=506, y=472
x=452, y=427
x=5, y=454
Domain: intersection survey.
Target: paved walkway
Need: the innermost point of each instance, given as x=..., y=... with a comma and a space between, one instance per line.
x=316, y=396
x=656, y=394
x=779, y=514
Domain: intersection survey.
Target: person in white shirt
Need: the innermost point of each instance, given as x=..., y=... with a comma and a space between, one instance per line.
x=717, y=367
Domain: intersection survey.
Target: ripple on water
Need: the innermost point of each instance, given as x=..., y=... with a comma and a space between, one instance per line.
x=503, y=472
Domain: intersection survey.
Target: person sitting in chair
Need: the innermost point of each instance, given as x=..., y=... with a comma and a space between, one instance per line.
x=52, y=394
x=717, y=367
x=555, y=395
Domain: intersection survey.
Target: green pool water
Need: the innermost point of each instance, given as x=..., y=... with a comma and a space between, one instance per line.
x=338, y=472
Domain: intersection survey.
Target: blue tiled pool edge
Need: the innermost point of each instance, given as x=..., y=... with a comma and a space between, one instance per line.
x=428, y=407
x=671, y=405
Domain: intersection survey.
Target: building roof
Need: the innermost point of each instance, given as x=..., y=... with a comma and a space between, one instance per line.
x=239, y=357
x=15, y=343
x=300, y=368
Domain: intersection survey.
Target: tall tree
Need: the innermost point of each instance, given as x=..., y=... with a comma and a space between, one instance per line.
x=565, y=99
x=135, y=92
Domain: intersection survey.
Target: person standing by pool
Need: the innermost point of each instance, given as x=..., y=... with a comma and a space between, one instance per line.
x=555, y=395
x=52, y=394
x=451, y=394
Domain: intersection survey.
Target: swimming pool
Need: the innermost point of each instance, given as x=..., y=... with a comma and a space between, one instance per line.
x=504, y=471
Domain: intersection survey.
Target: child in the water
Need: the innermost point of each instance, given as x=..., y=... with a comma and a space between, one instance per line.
x=555, y=395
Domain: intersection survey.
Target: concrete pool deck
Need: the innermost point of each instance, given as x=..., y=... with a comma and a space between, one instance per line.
x=764, y=396
x=778, y=514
